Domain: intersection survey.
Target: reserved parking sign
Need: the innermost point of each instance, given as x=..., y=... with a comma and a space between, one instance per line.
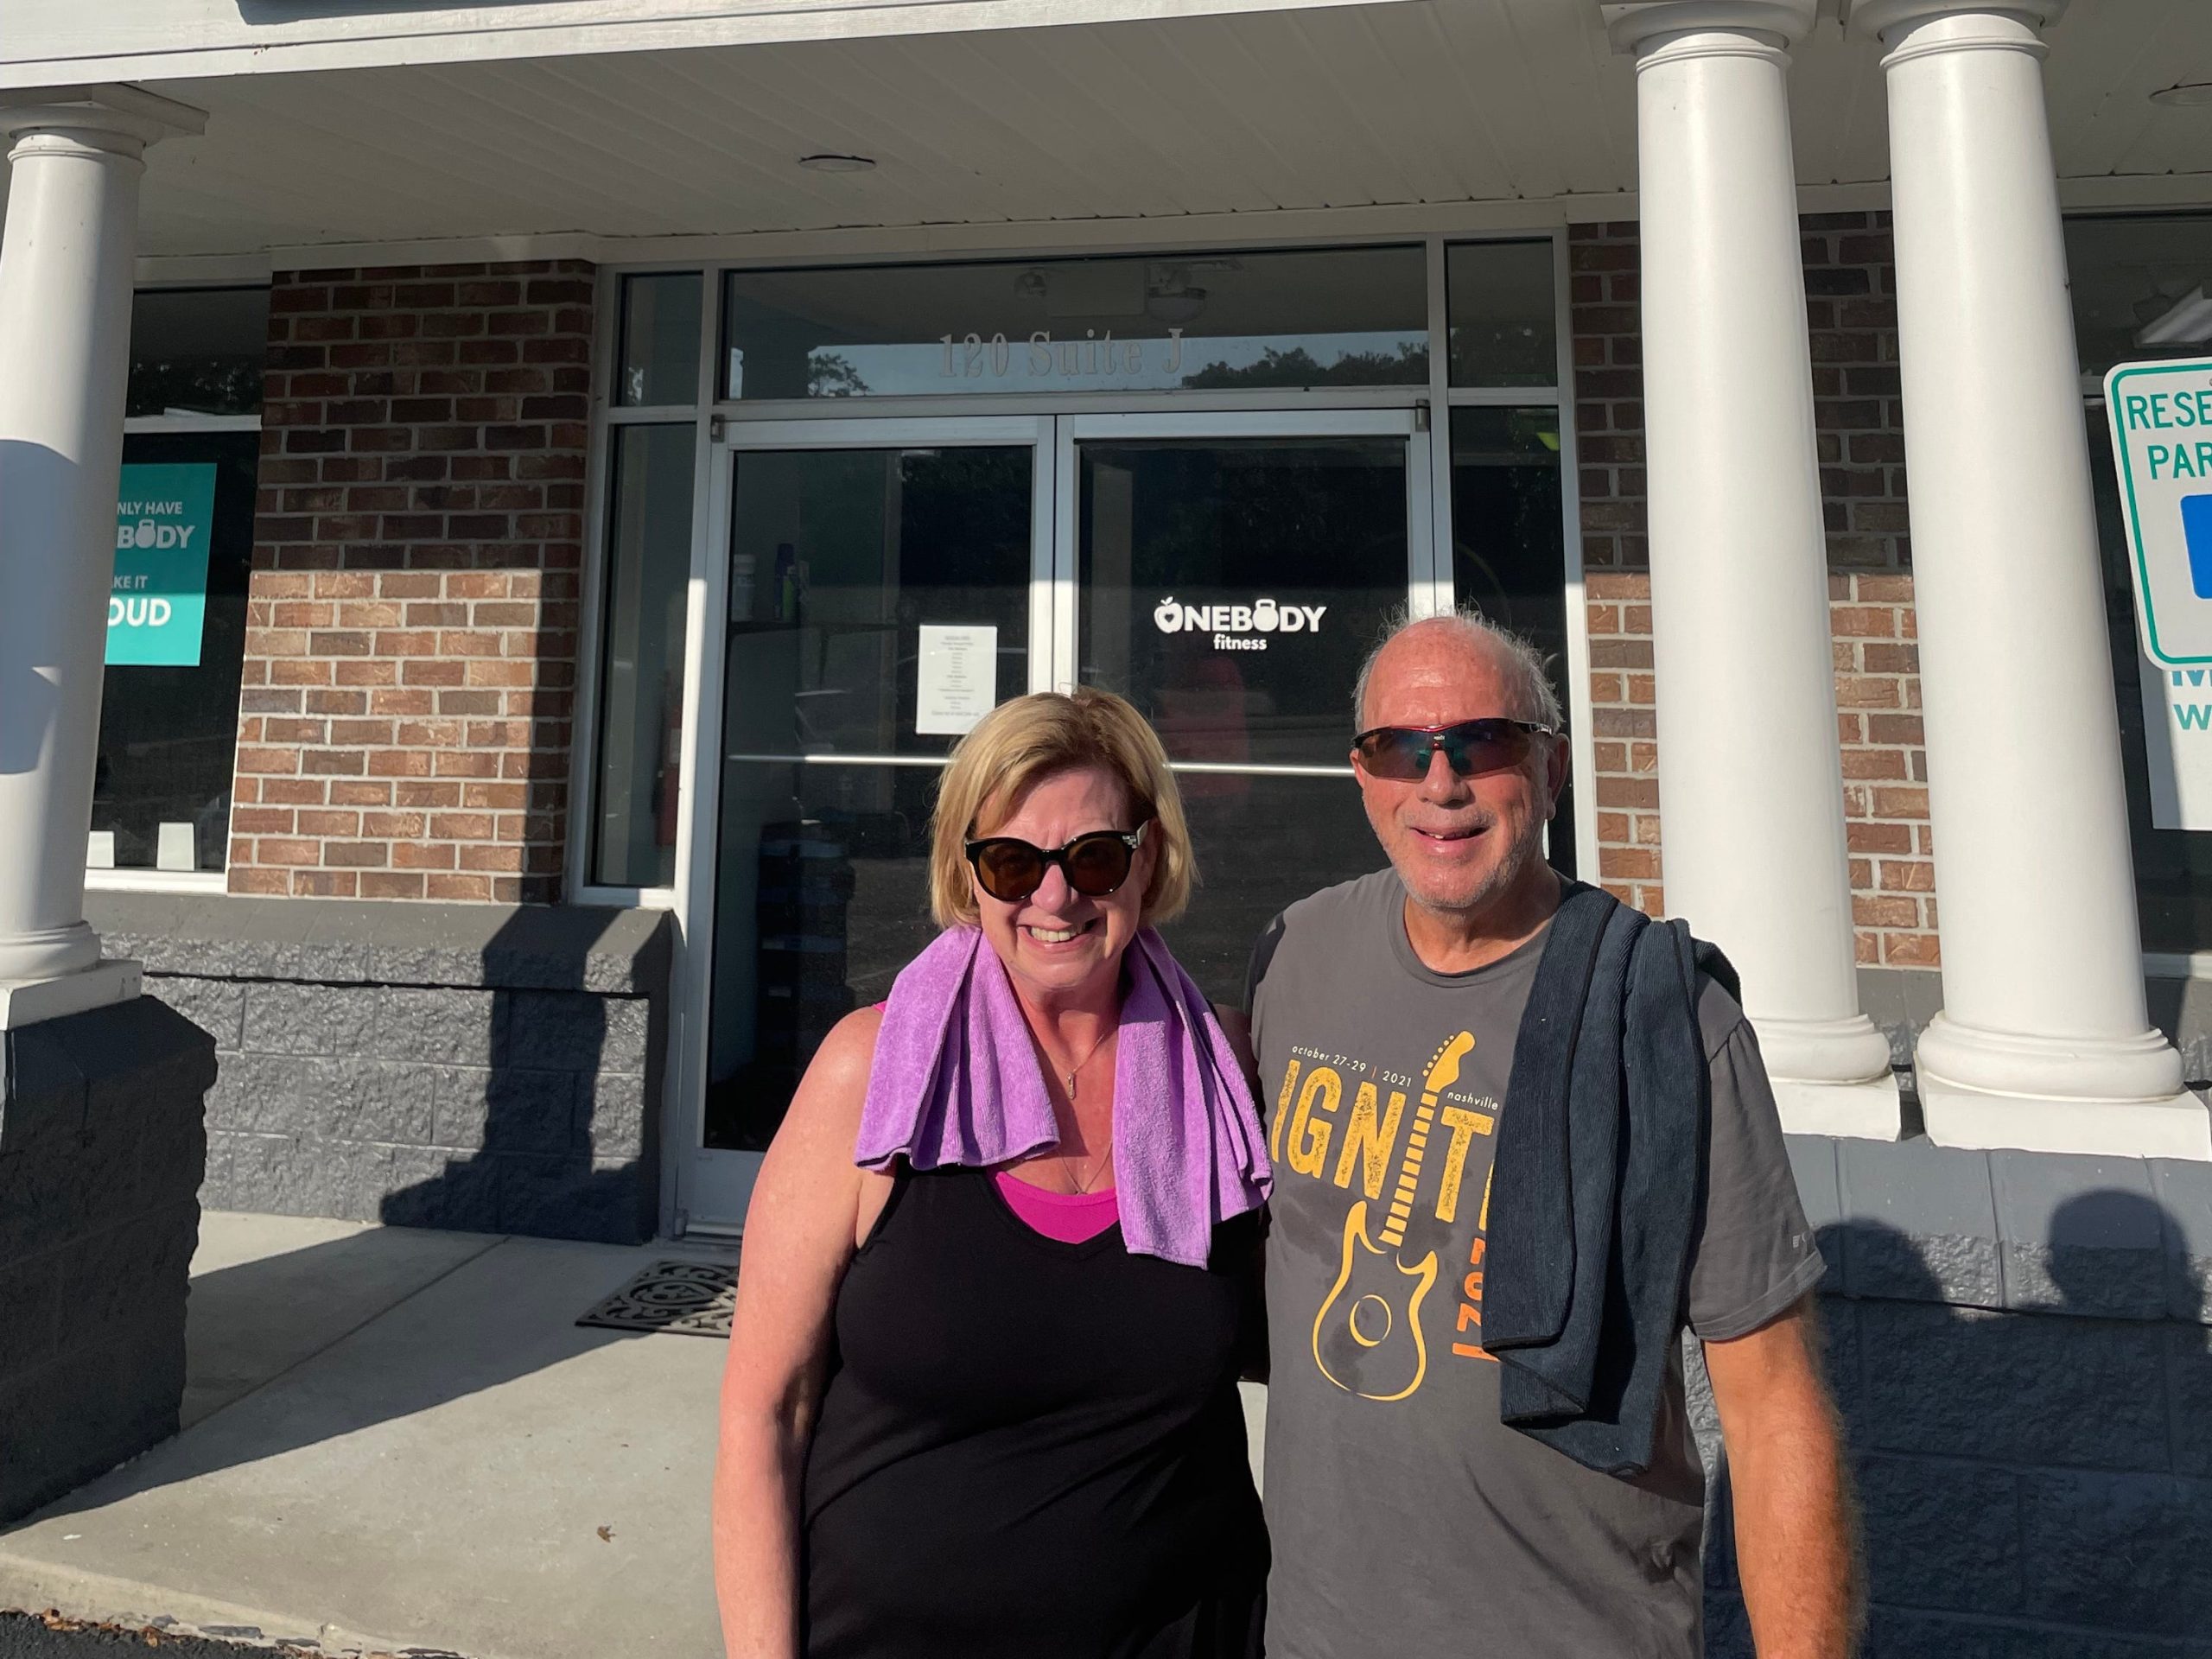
x=2161, y=415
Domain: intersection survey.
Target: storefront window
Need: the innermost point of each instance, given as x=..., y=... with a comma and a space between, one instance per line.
x=2173, y=867
x=2140, y=288
x=198, y=350
x=1502, y=312
x=641, y=661
x=1242, y=321
x=1509, y=544
x=177, y=606
x=176, y=642
x=660, y=361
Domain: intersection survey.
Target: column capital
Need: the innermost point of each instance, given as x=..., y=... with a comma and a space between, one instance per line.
x=121, y=119
x=1886, y=20
x=1632, y=23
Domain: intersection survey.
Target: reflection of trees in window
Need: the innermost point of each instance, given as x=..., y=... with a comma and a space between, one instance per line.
x=1407, y=366
x=205, y=385
x=828, y=374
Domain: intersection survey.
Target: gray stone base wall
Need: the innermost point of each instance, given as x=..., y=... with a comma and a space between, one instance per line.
x=2018, y=1344
x=484, y=1068
x=101, y=1152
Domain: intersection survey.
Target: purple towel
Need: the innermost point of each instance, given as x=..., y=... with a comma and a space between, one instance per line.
x=955, y=1081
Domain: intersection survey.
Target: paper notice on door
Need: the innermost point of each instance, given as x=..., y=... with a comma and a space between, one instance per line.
x=957, y=679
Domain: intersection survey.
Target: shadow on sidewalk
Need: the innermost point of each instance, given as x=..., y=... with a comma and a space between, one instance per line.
x=411, y=1331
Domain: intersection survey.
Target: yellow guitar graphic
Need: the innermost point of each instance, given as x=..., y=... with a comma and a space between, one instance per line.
x=1367, y=1338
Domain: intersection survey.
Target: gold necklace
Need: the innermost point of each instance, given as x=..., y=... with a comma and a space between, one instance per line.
x=1083, y=1185
x=1090, y=1054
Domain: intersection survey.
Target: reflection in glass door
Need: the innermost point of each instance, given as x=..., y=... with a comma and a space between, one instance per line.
x=1230, y=585
x=875, y=597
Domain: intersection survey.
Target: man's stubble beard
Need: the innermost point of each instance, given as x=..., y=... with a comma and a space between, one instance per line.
x=1502, y=879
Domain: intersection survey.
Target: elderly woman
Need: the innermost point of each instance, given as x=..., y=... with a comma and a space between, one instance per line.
x=999, y=1272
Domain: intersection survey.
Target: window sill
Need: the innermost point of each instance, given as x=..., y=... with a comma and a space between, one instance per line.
x=129, y=880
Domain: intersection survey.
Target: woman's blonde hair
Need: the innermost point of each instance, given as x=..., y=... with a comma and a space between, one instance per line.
x=1030, y=738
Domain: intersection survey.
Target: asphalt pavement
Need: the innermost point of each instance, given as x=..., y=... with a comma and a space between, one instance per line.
x=25, y=1635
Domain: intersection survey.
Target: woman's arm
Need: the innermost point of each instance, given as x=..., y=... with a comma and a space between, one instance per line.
x=809, y=1210
x=1252, y=1365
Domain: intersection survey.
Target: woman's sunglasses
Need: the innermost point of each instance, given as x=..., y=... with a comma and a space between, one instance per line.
x=1011, y=870
x=1470, y=748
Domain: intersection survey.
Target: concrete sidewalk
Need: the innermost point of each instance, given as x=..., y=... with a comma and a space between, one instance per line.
x=400, y=1438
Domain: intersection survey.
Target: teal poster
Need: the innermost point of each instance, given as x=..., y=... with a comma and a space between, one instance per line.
x=163, y=516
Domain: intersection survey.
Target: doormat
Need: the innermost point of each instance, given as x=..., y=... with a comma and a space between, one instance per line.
x=695, y=1298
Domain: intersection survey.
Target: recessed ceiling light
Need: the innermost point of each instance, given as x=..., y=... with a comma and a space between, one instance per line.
x=2190, y=94
x=838, y=163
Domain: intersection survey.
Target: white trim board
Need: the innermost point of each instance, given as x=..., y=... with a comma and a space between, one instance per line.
x=1020, y=239
x=59, y=41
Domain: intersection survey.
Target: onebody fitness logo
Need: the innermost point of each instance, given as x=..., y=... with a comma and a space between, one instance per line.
x=1237, y=627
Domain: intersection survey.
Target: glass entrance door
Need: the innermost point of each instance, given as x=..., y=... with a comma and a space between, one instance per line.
x=1228, y=574
x=869, y=587
x=869, y=592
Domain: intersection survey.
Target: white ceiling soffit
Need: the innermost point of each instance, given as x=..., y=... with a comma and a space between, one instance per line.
x=1253, y=113
x=1237, y=121
x=54, y=40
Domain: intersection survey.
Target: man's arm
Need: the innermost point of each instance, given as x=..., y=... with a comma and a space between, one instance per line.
x=1796, y=1527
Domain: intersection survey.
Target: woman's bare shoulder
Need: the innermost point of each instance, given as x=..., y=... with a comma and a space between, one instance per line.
x=849, y=1050
x=832, y=1096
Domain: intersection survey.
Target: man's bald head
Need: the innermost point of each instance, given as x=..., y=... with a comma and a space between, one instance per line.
x=1434, y=641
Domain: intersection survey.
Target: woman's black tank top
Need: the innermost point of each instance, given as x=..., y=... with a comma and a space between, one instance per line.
x=1029, y=1449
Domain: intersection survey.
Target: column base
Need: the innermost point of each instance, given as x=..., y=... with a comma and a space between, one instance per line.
x=49, y=952
x=29, y=1002
x=1956, y=1115
x=1871, y=1110
x=1850, y=1048
x=2111, y=1098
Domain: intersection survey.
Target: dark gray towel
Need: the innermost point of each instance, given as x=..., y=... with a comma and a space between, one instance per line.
x=1600, y=1157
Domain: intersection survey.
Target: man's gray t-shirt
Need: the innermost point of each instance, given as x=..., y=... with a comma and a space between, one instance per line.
x=1406, y=1519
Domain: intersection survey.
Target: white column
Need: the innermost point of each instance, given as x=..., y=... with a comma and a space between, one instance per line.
x=2045, y=1041
x=65, y=268
x=1750, y=784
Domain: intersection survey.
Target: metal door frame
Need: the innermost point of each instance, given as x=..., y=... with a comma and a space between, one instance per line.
x=712, y=1188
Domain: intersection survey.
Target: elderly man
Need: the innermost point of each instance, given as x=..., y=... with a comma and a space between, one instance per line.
x=1435, y=1488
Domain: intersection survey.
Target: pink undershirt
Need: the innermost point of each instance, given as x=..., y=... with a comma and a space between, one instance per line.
x=1071, y=1217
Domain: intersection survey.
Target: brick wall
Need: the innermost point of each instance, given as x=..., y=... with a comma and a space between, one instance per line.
x=404, y=725
x=1852, y=311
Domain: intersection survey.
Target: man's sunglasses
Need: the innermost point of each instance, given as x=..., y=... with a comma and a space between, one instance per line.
x=1011, y=870
x=1470, y=748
